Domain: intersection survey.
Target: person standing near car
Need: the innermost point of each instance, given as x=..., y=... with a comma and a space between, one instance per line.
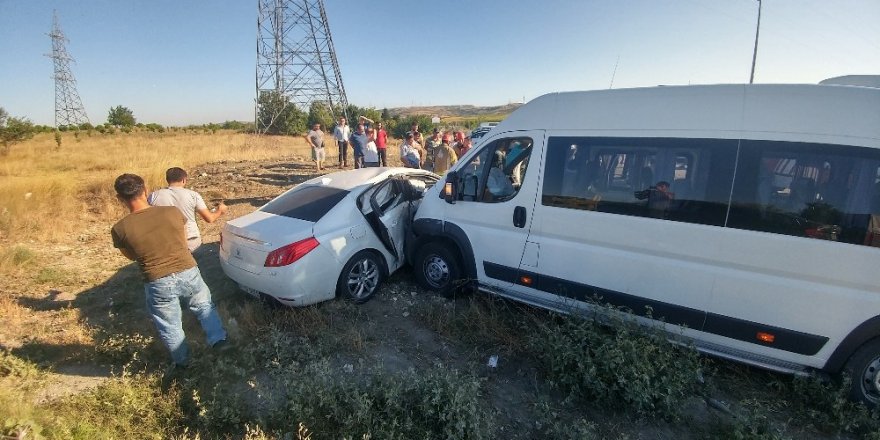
x=371, y=152
x=444, y=156
x=154, y=236
x=315, y=138
x=431, y=145
x=382, y=144
x=341, y=133
x=188, y=202
x=358, y=144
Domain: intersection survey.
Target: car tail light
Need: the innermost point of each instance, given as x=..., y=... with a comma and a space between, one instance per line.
x=288, y=254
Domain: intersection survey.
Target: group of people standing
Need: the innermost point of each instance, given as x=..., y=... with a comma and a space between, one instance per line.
x=369, y=145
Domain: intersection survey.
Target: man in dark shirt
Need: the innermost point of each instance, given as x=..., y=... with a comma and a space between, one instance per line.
x=358, y=143
x=155, y=237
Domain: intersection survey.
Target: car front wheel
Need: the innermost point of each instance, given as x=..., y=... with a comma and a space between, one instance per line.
x=437, y=269
x=864, y=370
x=360, y=278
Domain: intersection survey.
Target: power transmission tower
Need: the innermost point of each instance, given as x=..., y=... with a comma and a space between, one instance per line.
x=296, y=62
x=68, y=107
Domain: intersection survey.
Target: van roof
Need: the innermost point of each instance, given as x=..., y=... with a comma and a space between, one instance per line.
x=808, y=113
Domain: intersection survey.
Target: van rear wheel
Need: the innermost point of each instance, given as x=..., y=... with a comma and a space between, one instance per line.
x=864, y=370
x=437, y=269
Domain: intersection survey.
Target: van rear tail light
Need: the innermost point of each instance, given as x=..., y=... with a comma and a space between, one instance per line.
x=289, y=254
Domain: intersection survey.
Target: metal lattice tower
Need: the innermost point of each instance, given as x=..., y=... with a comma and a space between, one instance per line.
x=296, y=59
x=68, y=107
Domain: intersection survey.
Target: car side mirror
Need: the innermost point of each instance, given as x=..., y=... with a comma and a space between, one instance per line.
x=450, y=187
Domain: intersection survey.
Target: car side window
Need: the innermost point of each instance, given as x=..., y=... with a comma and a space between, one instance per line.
x=496, y=173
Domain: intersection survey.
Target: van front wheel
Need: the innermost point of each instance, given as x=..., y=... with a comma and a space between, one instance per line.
x=437, y=269
x=864, y=370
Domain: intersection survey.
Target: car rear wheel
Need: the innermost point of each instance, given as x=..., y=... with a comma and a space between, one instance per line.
x=360, y=277
x=437, y=268
x=863, y=369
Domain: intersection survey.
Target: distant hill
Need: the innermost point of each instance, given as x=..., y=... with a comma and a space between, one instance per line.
x=460, y=111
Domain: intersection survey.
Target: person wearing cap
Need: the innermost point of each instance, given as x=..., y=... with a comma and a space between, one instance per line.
x=444, y=156
x=381, y=144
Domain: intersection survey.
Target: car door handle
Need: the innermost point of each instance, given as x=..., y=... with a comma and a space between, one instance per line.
x=519, y=216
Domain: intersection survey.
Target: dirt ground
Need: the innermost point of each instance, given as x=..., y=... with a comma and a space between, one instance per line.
x=391, y=329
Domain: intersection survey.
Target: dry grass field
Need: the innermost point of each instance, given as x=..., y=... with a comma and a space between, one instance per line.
x=79, y=358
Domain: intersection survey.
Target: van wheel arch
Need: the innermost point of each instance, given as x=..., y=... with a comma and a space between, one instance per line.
x=431, y=230
x=855, y=340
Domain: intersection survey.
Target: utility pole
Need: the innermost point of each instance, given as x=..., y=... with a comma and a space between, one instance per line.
x=296, y=61
x=755, y=53
x=68, y=107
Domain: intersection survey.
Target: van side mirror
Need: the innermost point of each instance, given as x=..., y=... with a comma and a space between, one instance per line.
x=450, y=187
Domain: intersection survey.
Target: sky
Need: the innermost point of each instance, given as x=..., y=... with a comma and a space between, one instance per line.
x=190, y=62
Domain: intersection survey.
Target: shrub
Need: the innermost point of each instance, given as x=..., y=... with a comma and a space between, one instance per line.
x=827, y=405
x=437, y=403
x=621, y=364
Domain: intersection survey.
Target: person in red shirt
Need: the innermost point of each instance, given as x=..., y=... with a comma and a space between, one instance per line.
x=381, y=143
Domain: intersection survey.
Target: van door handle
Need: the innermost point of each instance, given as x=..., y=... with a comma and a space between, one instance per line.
x=519, y=216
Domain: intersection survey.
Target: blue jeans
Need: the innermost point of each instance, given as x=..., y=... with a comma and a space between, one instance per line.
x=163, y=301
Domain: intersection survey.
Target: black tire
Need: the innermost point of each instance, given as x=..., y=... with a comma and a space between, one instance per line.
x=437, y=269
x=360, y=278
x=864, y=370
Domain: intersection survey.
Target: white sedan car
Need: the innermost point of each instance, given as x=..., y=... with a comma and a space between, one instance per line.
x=334, y=235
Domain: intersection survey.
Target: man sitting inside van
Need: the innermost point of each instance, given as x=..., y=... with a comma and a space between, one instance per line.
x=499, y=185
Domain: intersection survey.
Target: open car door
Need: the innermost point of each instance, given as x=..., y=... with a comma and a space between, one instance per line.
x=389, y=208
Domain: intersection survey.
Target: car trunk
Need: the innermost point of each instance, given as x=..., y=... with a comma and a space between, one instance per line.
x=249, y=239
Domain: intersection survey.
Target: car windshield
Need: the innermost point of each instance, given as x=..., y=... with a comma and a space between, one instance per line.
x=309, y=203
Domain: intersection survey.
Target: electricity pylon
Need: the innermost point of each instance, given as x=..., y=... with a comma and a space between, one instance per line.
x=296, y=62
x=68, y=107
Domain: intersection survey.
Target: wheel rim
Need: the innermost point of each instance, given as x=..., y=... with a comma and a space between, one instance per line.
x=363, y=278
x=436, y=271
x=871, y=381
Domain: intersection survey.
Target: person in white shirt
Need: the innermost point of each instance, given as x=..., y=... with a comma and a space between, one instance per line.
x=188, y=202
x=371, y=152
x=341, y=133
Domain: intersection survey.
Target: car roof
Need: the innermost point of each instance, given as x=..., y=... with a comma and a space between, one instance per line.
x=351, y=179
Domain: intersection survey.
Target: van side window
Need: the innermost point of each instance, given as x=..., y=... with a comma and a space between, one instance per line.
x=674, y=179
x=826, y=192
x=495, y=174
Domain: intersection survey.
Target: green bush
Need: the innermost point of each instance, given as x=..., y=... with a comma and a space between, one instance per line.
x=827, y=406
x=618, y=363
x=437, y=403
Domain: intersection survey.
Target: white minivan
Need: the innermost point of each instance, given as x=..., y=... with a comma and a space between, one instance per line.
x=745, y=217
